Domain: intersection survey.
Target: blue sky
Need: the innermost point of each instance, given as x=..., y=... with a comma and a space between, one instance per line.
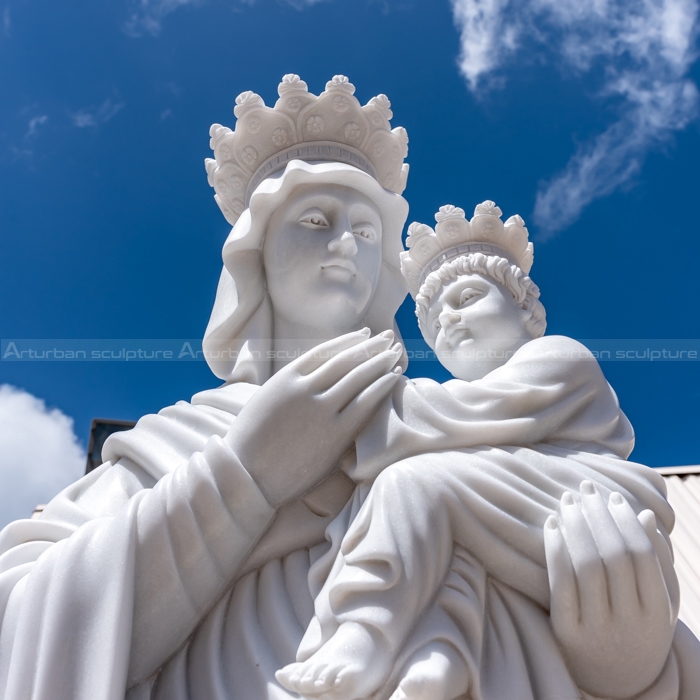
x=580, y=116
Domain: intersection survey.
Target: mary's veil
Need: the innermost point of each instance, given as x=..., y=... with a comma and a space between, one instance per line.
x=238, y=338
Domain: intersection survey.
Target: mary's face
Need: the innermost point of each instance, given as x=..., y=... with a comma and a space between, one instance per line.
x=322, y=256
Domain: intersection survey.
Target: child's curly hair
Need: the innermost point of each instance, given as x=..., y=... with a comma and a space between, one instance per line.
x=525, y=292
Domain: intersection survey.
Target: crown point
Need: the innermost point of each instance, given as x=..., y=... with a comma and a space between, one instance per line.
x=449, y=211
x=516, y=220
x=382, y=105
x=210, y=166
x=403, y=137
x=403, y=177
x=416, y=231
x=248, y=97
x=291, y=81
x=487, y=208
x=341, y=82
x=247, y=100
x=217, y=133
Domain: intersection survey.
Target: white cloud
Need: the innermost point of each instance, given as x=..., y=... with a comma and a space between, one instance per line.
x=93, y=117
x=34, y=124
x=643, y=50
x=39, y=453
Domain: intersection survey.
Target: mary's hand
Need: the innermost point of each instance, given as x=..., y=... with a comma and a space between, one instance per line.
x=614, y=593
x=300, y=423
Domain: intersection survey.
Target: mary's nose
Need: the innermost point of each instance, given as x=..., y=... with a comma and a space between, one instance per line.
x=343, y=245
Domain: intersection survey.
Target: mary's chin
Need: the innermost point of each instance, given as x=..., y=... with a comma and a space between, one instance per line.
x=335, y=306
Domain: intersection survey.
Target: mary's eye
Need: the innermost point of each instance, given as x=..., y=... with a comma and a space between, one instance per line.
x=366, y=231
x=316, y=219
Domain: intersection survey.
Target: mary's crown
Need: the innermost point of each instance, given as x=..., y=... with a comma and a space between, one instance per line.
x=332, y=126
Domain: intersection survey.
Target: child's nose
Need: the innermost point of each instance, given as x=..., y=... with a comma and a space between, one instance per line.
x=449, y=318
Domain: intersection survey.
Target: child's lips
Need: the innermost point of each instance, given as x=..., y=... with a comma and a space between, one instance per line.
x=458, y=331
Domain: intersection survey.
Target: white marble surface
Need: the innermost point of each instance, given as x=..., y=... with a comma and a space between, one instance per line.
x=319, y=524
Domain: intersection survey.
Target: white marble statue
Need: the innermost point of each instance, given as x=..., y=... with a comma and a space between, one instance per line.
x=482, y=539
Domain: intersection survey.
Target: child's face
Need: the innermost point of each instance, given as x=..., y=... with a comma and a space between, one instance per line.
x=476, y=325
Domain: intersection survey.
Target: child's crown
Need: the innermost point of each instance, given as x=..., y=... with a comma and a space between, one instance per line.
x=455, y=236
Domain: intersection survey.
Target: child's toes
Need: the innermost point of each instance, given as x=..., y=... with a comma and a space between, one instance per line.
x=307, y=682
x=289, y=676
x=326, y=680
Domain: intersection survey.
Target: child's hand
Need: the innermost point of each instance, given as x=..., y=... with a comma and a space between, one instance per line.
x=614, y=593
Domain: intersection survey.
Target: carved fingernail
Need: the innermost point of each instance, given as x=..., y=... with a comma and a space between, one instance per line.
x=389, y=335
x=587, y=488
x=397, y=370
x=616, y=498
x=366, y=331
x=551, y=523
x=397, y=348
x=567, y=499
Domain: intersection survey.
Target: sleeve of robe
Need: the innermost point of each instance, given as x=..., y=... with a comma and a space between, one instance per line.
x=552, y=390
x=107, y=585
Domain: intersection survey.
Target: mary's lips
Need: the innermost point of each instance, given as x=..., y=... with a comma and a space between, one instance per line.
x=340, y=263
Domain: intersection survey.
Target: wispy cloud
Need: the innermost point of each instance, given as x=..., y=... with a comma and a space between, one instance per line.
x=303, y=4
x=34, y=124
x=146, y=16
x=6, y=21
x=643, y=50
x=172, y=88
x=39, y=453
x=85, y=118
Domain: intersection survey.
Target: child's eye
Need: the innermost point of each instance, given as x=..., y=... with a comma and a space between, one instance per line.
x=466, y=295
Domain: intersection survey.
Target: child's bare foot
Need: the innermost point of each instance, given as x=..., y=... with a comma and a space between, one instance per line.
x=353, y=663
x=435, y=672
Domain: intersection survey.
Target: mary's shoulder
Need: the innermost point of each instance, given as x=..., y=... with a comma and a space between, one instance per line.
x=161, y=441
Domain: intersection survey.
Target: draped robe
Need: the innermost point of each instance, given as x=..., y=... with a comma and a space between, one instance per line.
x=165, y=574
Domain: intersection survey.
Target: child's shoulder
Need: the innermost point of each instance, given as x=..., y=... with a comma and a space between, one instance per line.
x=547, y=360
x=553, y=347
x=556, y=358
